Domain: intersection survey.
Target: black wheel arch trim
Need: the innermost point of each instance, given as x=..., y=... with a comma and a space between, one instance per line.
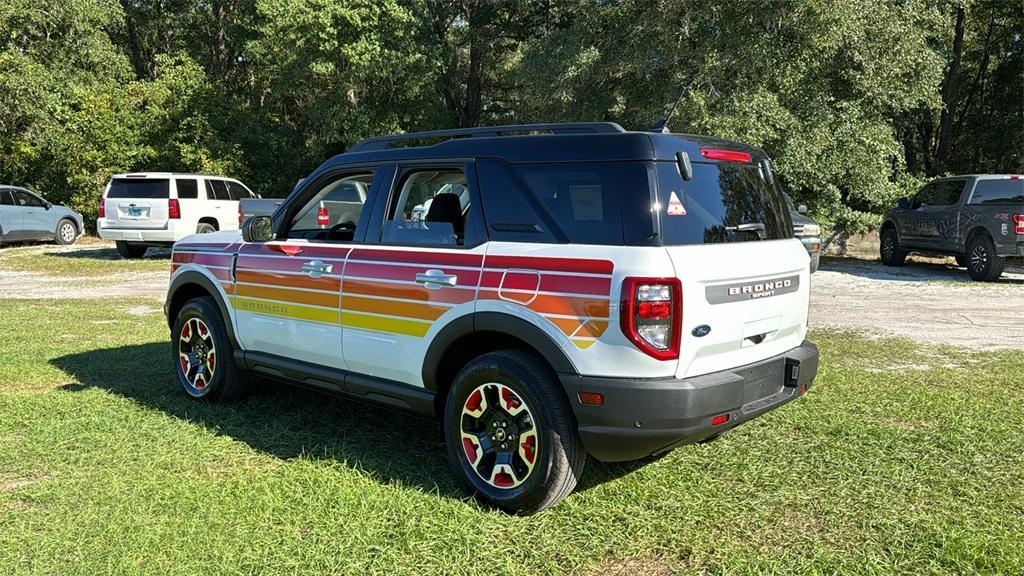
x=197, y=278
x=492, y=322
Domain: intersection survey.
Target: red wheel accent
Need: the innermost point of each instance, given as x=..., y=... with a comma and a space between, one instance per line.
x=470, y=448
x=474, y=401
x=529, y=449
x=211, y=361
x=504, y=480
x=510, y=399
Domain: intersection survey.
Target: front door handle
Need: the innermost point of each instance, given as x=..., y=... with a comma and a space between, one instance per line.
x=434, y=277
x=317, y=269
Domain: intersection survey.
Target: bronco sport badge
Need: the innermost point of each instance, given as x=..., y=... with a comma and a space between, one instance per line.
x=752, y=290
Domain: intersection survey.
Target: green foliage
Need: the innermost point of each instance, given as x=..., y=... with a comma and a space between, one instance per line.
x=845, y=96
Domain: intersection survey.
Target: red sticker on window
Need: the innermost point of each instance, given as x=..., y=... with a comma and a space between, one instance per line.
x=675, y=206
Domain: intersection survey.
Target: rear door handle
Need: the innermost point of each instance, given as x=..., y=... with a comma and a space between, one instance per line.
x=317, y=269
x=434, y=277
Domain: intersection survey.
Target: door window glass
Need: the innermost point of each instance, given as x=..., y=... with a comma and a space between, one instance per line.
x=22, y=198
x=236, y=191
x=431, y=208
x=333, y=213
x=5, y=197
x=948, y=192
x=216, y=190
x=187, y=189
x=924, y=196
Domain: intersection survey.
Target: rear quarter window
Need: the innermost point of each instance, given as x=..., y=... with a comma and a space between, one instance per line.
x=141, y=188
x=723, y=202
x=1005, y=191
x=188, y=189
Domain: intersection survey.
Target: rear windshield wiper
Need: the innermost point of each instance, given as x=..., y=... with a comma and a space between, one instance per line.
x=758, y=227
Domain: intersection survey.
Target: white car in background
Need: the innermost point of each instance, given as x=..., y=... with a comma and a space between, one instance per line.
x=146, y=209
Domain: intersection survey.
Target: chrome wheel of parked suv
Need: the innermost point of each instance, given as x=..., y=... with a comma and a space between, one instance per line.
x=510, y=433
x=983, y=264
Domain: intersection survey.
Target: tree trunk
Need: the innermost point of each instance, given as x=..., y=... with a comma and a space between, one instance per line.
x=949, y=98
x=139, y=61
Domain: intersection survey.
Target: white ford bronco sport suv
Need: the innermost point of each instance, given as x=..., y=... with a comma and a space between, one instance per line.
x=548, y=292
x=160, y=208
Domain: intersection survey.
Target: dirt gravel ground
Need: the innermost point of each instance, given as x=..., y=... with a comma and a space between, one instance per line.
x=926, y=301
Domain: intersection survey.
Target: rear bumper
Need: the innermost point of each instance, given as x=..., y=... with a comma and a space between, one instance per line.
x=643, y=417
x=173, y=232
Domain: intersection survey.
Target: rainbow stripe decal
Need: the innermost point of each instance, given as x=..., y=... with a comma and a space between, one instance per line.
x=376, y=289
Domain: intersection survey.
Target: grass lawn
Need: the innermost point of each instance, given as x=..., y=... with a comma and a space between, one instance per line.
x=89, y=258
x=900, y=460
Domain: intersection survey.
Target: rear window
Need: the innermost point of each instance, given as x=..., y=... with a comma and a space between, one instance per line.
x=724, y=202
x=1005, y=191
x=141, y=188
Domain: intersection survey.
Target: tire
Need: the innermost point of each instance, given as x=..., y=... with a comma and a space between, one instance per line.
x=961, y=260
x=983, y=263
x=66, y=232
x=514, y=394
x=200, y=347
x=204, y=228
x=132, y=251
x=889, y=248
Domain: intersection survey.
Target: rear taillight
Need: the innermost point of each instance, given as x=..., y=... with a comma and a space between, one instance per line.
x=239, y=214
x=1018, y=224
x=727, y=155
x=173, y=209
x=103, y=207
x=323, y=217
x=652, y=310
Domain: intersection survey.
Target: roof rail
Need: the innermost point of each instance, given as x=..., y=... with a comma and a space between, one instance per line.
x=384, y=142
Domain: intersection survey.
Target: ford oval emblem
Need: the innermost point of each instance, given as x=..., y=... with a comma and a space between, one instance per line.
x=701, y=331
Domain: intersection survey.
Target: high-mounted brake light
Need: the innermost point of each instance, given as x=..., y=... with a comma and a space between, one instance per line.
x=651, y=315
x=103, y=207
x=727, y=155
x=173, y=209
x=323, y=217
x=1018, y=224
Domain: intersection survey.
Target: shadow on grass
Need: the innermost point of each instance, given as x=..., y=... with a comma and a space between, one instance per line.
x=108, y=254
x=289, y=422
x=912, y=271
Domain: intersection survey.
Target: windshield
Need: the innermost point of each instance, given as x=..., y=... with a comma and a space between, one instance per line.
x=723, y=202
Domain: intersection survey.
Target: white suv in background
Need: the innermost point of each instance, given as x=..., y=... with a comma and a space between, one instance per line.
x=159, y=208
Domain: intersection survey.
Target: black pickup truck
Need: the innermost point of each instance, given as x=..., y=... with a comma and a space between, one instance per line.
x=979, y=219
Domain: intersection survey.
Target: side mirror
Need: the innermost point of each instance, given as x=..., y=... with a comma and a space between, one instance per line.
x=802, y=209
x=48, y=205
x=258, y=229
x=903, y=203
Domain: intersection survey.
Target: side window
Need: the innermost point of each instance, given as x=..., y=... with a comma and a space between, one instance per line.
x=188, y=189
x=216, y=190
x=948, y=192
x=236, y=191
x=1002, y=191
x=332, y=214
x=5, y=197
x=22, y=198
x=583, y=199
x=924, y=196
x=429, y=207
